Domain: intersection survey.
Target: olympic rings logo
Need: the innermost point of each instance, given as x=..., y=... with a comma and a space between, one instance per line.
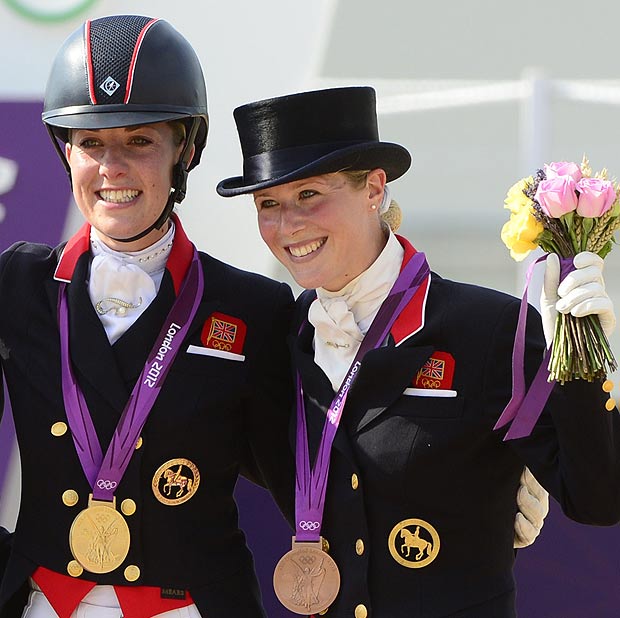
x=306, y=559
x=218, y=345
x=105, y=484
x=427, y=383
x=309, y=525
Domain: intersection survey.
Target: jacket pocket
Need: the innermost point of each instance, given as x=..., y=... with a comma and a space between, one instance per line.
x=429, y=407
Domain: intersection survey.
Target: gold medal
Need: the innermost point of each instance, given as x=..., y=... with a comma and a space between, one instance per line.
x=99, y=537
x=306, y=579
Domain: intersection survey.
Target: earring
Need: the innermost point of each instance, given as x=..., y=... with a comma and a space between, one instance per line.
x=373, y=207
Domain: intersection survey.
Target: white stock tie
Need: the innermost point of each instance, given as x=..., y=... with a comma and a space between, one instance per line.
x=120, y=292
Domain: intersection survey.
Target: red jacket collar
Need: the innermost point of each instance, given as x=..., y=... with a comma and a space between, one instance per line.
x=411, y=318
x=178, y=261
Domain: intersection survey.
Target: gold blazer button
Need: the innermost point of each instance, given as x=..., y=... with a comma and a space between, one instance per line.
x=139, y=443
x=132, y=573
x=354, y=481
x=59, y=429
x=74, y=568
x=359, y=547
x=70, y=497
x=361, y=611
x=128, y=507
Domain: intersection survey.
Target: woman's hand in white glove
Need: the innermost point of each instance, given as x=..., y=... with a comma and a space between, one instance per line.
x=533, y=503
x=581, y=293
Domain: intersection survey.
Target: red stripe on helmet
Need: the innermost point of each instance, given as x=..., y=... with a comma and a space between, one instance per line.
x=89, y=65
x=134, y=58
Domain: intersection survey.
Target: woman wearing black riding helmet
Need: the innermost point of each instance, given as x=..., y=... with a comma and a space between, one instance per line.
x=143, y=376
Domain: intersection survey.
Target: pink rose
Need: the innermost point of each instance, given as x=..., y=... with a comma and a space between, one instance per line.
x=557, y=196
x=595, y=197
x=563, y=168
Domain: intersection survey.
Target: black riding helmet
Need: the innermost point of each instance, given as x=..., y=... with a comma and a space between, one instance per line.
x=126, y=70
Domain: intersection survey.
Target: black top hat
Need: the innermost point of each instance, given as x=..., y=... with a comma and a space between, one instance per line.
x=301, y=135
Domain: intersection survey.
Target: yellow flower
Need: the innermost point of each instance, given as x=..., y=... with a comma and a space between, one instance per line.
x=520, y=233
x=516, y=200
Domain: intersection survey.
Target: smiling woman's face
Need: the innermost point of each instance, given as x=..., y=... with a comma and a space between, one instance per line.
x=122, y=178
x=323, y=229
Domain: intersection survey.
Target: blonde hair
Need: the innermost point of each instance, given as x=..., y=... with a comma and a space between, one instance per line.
x=393, y=216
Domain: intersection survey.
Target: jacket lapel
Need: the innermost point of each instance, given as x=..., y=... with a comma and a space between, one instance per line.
x=385, y=373
x=316, y=382
x=112, y=372
x=388, y=370
x=86, y=333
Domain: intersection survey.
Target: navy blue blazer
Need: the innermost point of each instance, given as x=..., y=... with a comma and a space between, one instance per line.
x=226, y=415
x=421, y=493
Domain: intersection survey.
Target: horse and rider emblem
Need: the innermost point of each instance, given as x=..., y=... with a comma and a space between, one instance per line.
x=175, y=481
x=413, y=543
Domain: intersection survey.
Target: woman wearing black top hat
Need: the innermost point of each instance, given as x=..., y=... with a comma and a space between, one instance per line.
x=142, y=374
x=404, y=493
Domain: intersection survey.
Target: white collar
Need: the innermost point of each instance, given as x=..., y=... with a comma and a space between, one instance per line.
x=151, y=260
x=364, y=294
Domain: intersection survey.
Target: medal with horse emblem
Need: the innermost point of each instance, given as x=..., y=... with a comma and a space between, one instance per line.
x=306, y=579
x=175, y=481
x=413, y=543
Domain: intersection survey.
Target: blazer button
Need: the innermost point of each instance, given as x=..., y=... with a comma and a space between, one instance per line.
x=325, y=545
x=139, y=443
x=361, y=611
x=128, y=507
x=359, y=547
x=74, y=568
x=70, y=497
x=354, y=481
x=59, y=429
x=132, y=573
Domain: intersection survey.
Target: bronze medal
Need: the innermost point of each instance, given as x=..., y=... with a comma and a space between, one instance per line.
x=99, y=537
x=306, y=579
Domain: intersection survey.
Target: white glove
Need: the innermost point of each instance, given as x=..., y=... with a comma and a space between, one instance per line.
x=581, y=293
x=533, y=503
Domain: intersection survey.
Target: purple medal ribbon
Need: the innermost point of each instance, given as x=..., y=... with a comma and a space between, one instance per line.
x=311, y=485
x=105, y=473
x=524, y=408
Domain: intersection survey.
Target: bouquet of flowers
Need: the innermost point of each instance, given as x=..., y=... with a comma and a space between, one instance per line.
x=565, y=209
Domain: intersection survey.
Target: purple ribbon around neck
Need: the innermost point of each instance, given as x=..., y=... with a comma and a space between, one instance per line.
x=105, y=473
x=524, y=408
x=311, y=485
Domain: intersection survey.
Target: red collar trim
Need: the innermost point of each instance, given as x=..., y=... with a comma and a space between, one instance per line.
x=75, y=247
x=411, y=319
x=178, y=262
x=180, y=256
